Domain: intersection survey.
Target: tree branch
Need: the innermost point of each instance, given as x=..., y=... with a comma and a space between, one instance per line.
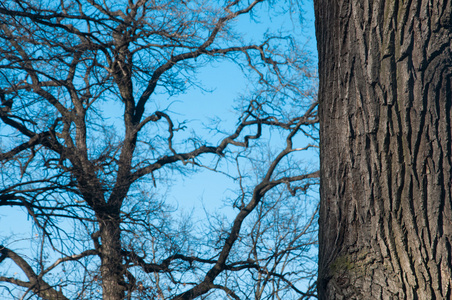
x=36, y=283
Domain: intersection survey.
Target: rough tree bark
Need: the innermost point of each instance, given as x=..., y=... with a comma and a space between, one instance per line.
x=385, y=113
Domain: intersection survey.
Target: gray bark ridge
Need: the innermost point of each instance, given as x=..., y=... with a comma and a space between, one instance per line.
x=385, y=115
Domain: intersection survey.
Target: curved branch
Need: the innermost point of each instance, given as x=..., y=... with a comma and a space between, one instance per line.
x=230, y=140
x=188, y=55
x=69, y=258
x=227, y=290
x=36, y=283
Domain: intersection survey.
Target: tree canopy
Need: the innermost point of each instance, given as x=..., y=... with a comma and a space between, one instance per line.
x=92, y=137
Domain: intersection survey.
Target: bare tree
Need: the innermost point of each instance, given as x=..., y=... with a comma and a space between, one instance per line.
x=92, y=185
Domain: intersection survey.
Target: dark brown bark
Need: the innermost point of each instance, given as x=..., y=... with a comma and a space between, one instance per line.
x=385, y=108
x=112, y=271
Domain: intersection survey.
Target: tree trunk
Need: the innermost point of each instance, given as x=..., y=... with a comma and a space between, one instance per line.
x=385, y=115
x=112, y=273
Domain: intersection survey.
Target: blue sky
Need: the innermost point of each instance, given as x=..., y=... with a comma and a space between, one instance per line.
x=226, y=81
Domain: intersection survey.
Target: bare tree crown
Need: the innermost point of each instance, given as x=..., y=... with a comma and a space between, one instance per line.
x=89, y=183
